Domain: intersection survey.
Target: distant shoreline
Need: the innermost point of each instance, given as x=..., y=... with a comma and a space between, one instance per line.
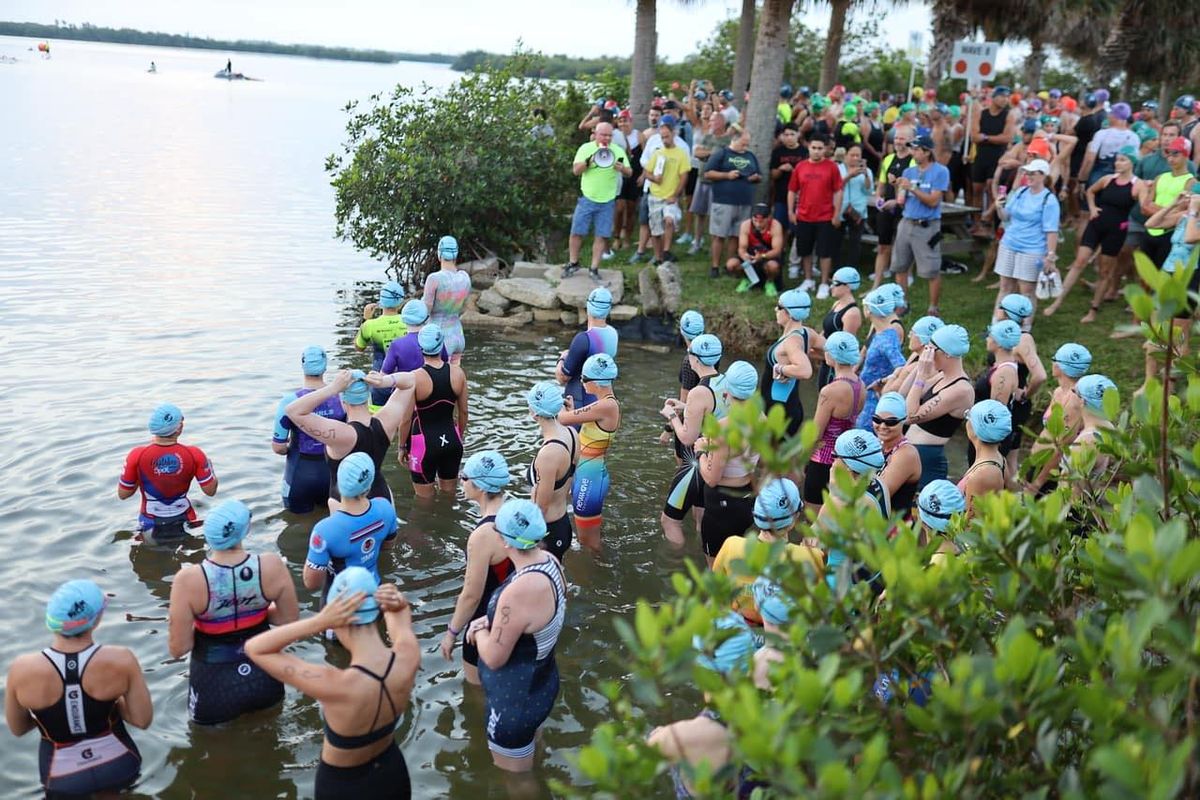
x=94, y=33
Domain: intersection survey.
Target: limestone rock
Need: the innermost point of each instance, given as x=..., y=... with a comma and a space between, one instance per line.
x=648, y=292
x=573, y=291
x=623, y=313
x=569, y=318
x=530, y=291
x=546, y=314
x=529, y=269
x=490, y=300
x=471, y=319
x=670, y=286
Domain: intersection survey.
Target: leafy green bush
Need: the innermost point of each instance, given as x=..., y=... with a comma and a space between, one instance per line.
x=1061, y=647
x=418, y=164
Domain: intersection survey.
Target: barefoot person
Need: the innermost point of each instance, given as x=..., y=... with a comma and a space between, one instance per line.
x=439, y=418
x=728, y=475
x=552, y=471
x=305, y=476
x=445, y=296
x=80, y=695
x=598, y=423
x=362, y=703
x=379, y=332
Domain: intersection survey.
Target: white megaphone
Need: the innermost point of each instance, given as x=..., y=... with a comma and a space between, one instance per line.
x=604, y=158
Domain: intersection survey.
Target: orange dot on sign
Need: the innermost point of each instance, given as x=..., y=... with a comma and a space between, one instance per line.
x=960, y=66
x=985, y=69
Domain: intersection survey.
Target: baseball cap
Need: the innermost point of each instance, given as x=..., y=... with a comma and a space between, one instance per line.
x=1091, y=389
x=352, y=580
x=521, y=524
x=691, y=324
x=797, y=303
x=1037, y=165
x=777, y=505
x=892, y=404
x=226, y=525
x=1179, y=145
x=391, y=294
x=736, y=647
x=741, y=380
x=1005, y=333
x=1073, y=359
x=669, y=121
x=1121, y=111
x=951, y=340
x=842, y=347
x=599, y=369
x=1001, y=89
x=761, y=210
x=1038, y=147
x=847, y=276
x=165, y=419
x=355, y=475
x=448, y=247
x=313, y=360
x=1016, y=306
x=860, y=450
x=545, y=399
x=599, y=302
x=431, y=339
x=879, y=303
x=487, y=470
x=774, y=606
x=938, y=502
x=925, y=326
x=415, y=312
x=358, y=391
x=991, y=420
x=75, y=607
x=707, y=349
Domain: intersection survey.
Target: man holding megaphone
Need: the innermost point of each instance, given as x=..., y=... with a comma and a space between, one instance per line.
x=597, y=164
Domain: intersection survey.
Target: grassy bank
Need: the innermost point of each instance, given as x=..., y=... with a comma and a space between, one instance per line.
x=745, y=322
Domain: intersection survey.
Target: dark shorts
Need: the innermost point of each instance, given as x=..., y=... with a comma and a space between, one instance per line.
x=434, y=455
x=691, y=181
x=559, y=535
x=686, y=492
x=820, y=237
x=1104, y=236
x=384, y=776
x=885, y=226
x=118, y=767
x=728, y=512
x=816, y=481
x=644, y=209
x=983, y=168
x=220, y=690
x=933, y=463
x=305, y=482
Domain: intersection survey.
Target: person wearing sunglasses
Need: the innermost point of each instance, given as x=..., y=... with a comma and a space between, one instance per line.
x=938, y=394
x=858, y=454
x=901, y=472
x=989, y=423
x=845, y=314
x=918, y=338
x=552, y=471
x=838, y=406
x=483, y=479
x=788, y=360
x=1071, y=363
x=883, y=356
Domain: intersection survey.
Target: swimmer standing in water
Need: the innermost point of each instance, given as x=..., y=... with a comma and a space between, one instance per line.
x=379, y=332
x=445, y=296
x=435, y=437
x=305, y=476
x=404, y=354
x=598, y=423
x=599, y=337
x=552, y=471
x=163, y=470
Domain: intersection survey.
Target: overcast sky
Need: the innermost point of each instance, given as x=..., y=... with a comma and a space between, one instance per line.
x=574, y=27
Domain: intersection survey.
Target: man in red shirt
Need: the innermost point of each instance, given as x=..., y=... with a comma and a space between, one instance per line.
x=815, y=212
x=163, y=470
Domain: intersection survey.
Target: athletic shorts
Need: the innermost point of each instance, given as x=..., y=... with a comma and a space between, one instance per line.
x=384, y=776
x=933, y=463
x=1103, y=236
x=816, y=481
x=305, y=482
x=725, y=220
x=701, y=199
x=982, y=169
x=1022, y=266
x=820, y=237
x=434, y=455
x=105, y=763
x=686, y=492
x=222, y=690
x=728, y=511
x=520, y=696
x=659, y=213
x=919, y=244
x=692, y=175
x=559, y=534
x=590, y=215
x=885, y=226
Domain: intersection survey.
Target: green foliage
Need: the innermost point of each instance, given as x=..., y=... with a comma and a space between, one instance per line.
x=94, y=33
x=418, y=164
x=1061, y=647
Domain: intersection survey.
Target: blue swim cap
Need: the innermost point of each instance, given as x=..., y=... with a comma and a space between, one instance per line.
x=951, y=340
x=487, y=470
x=313, y=360
x=938, y=502
x=1073, y=359
x=734, y=652
x=521, y=524
x=600, y=369
x=773, y=605
x=545, y=399
x=796, y=303
x=358, y=392
x=892, y=404
x=74, y=608
x=1091, y=389
x=1018, y=307
x=991, y=420
x=777, y=505
x=226, y=525
x=842, y=347
x=391, y=294
x=1005, y=333
x=691, y=324
x=741, y=380
x=352, y=580
x=707, y=349
x=355, y=475
x=431, y=339
x=848, y=276
x=448, y=248
x=1029, y=126
x=897, y=293
x=924, y=328
x=165, y=420
x=415, y=312
x=880, y=303
x=860, y=450
x=599, y=303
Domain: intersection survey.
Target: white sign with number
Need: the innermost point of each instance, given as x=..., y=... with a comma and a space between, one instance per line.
x=975, y=61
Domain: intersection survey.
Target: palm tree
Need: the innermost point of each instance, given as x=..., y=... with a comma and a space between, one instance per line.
x=745, y=53
x=839, y=9
x=951, y=22
x=770, y=55
x=645, y=47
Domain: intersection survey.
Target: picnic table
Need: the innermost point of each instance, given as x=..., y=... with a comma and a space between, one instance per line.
x=956, y=230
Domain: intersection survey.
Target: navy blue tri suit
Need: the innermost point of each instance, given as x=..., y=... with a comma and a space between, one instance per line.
x=305, y=478
x=496, y=575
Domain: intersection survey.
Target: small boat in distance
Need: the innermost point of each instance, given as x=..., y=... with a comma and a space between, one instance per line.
x=234, y=76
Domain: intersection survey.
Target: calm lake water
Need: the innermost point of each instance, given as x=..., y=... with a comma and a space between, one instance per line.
x=169, y=237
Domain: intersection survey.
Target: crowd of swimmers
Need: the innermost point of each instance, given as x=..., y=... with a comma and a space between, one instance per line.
x=883, y=415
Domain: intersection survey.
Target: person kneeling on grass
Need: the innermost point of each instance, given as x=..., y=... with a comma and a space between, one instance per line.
x=760, y=246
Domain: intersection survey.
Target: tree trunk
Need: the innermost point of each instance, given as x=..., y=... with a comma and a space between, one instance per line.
x=1035, y=62
x=770, y=54
x=1114, y=54
x=745, y=54
x=645, y=45
x=833, y=44
x=1164, y=99
x=949, y=25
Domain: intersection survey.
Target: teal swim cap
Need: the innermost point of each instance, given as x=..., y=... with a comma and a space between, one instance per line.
x=842, y=347
x=487, y=470
x=741, y=380
x=352, y=580
x=165, y=420
x=1073, y=359
x=952, y=340
x=691, y=324
x=600, y=369
x=358, y=392
x=773, y=605
x=355, y=475
x=847, y=276
x=859, y=450
x=226, y=525
x=599, y=303
x=415, y=312
x=448, y=248
x=545, y=399
x=796, y=303
x=893, y=405
x=777, y=505
x=74, y=608
x=925, y=326
x=879, y=303
x=1091, y=389
x=313, y=360
x=391, y=295
x=1016, y=306
x=735, y=649
x=897, y=293
x=1005, y=333
x=938, y=502
x=707, y=349
x=431, y=339
x=991, y=420
x=521, y=524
